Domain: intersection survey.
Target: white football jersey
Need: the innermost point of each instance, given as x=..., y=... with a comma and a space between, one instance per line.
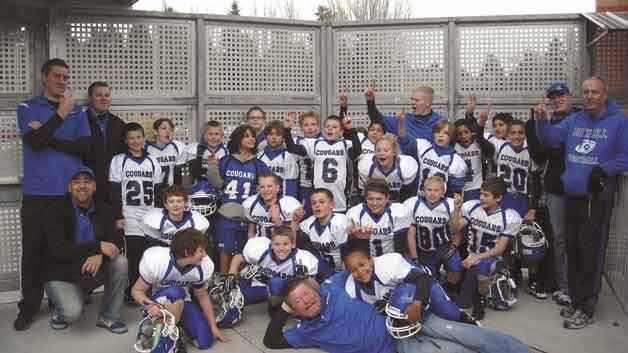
x=431, y=221
x=389, y=270
x=394, y=221
x=306, y=166
x=195, y=149
x=327, y=238
x=256, y=211
x=166, y=157
x=368, y=147
x=282, y=163
x=330, y=167
x=513, y=167
x=158, y=268
x=158, y=225
x=137, y=178
x=472, y=156
x=430, y=163
x=486, y=228
x=402, y=173
x=258, y=251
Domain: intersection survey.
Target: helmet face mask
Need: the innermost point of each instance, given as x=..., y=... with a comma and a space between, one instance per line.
x=398, y=324
x=227, y=299
x=203, y=203
x=502, y=292
x=157, y=334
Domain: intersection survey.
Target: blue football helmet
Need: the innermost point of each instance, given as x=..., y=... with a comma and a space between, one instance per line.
x=202, y=198
x=530, y=243
x=157, y=334
x=397, y=321
x=227, y=299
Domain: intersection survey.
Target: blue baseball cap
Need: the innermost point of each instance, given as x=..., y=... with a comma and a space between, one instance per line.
x=84, y=170
x=556, y=88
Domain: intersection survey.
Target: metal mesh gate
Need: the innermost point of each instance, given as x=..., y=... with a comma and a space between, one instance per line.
x=194, y=68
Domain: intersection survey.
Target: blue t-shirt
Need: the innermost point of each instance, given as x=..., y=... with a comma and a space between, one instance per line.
x=83, y=227
x=47, y=171
x=345, y=325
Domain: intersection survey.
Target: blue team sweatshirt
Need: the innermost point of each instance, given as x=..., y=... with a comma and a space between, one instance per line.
x=589, y=142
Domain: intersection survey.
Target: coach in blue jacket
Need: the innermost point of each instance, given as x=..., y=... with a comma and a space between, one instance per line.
x=56, y=135
x=596, y=151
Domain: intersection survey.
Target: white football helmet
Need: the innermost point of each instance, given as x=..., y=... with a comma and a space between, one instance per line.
x=202, y=198
x=227, y=299
x=502, y=290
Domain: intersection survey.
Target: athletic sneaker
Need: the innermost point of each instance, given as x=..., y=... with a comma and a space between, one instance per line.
x=57, y=323
x=561, y=298
x=535, y=290
x=479, y=304
x=112, y=326
x=567, y=312
x=579, y=320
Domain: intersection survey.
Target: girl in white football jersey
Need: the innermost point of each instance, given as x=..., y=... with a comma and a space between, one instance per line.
x=276, y=260
x=387, y=164
x=165, y=149
x=268, y=208
x=384, y=224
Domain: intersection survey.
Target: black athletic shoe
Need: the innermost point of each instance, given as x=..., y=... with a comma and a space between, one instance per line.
x=22, y=322
x=180, y=347
x=479, y=303
x=468, y=319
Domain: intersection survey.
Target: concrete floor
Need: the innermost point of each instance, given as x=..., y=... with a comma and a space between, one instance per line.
x=534, y=321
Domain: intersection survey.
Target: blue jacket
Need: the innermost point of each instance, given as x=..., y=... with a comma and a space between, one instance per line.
x=589, y=142
x=416, y=127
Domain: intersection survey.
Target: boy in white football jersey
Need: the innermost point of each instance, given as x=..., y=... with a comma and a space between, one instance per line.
x=490, y=229
x=165, y=149
x=196, y=154
x=385, y=225
x=135, y=178
x=268, y=209
x=160, y=225
x=168, y=273
x=278, y=159
x=324, y=233
x=310, y=128
x=277, y=260
x=331, y=154
x=387, y=164
x=430, y=241
x=438, y=157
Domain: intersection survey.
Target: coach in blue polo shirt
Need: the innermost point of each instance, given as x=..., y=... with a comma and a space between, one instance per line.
x=55, y=134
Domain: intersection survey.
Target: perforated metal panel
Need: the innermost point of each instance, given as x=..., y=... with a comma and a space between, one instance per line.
x=137, y=57
x=10, y=147
x=517, y=60
x=396, y=59
x=10, y=246
x=15, y=59
x=182, y=117
x=360, y=117
x=611, y=62
x=262, y=60
x=232, y=117
x=616, y=265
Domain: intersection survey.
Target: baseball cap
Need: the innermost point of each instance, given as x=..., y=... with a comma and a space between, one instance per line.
x=83, y=170
x=556, y=88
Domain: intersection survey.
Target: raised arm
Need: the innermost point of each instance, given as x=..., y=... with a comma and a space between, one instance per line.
x=548, y=134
